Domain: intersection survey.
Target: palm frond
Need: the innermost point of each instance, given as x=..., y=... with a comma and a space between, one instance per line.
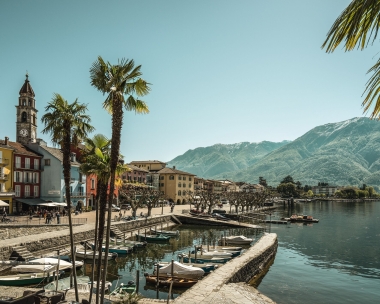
x=373, y=91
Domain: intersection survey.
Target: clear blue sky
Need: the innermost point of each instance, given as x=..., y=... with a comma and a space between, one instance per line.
x=221, y=71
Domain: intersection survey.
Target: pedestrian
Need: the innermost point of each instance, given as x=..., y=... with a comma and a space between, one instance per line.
x=63, y=212
x=120, y=214
x=125, y=210
x=58, y=215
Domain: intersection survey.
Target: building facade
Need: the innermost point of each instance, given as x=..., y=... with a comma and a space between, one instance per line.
x=176, y=184
x=6, y=173
x=136, y=174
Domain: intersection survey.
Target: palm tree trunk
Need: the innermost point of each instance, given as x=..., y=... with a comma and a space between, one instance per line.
x=66, y=174
x=102, y=191
x=117, y=123
x=95, y=243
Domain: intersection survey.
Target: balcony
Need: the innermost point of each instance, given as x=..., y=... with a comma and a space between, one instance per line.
x=4, y=162
x=4, y=177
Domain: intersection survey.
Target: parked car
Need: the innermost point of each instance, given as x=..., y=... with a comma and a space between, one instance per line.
x=115, y=208
x=224, y=201
x=219, y=211
x=126, y=206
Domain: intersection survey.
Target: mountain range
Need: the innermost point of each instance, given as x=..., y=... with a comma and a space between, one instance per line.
x=342, y=153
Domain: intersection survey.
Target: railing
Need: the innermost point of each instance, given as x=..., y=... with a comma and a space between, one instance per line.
x=25, y=220
x=4, y=161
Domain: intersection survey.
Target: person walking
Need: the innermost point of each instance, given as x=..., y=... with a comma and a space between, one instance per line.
x=58, y=215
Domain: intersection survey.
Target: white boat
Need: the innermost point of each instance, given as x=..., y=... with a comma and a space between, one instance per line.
x=26, y=279
x=181, y=271
x=44, y=262
x=165, y=232
x=89, y=254
x=202, y=253
x=236, y=240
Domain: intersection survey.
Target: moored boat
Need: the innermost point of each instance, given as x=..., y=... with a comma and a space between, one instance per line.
x=180, y=270
x=236, y=240
x=220, y=260
x=206, y=267
x=153, y=238
x=123, y=289
x=167, y=281
x=301, y=218
x=45, y=262
x=23, y=279
x=165, y=232
x=89, y=255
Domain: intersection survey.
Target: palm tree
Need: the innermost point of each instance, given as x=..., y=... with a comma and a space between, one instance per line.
x=121, y=83
x=97, y=161
x=357, y=26
x=66, y=123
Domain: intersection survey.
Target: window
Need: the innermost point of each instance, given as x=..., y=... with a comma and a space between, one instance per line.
x=135, y=178
x=184, y=185
x=171, y=177
x=27, y=191
x=71, y=189
x=179, y=184
x=80, y=190
x=29, y=102
x=36, y=190
x=93, y=183
x=27, y=163
x=162, y=184
x=17, y=191
x=18, y=177
x=189, y=185
x=47, y=162
x=24, y=117
x=26, y=177
x=24, y=102
x=189, y=179
x=179, y=177
x=162, y=177
x=18, y=162
x=179, y=192
x=184, y=178
x=35, y=178
x=36, y=164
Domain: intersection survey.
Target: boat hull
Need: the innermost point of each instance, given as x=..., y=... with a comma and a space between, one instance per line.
x=23, y=280
x=166, y=281
x=150, y=239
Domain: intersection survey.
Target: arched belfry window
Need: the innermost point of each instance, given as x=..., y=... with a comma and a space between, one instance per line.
x=24, y=102
x=34, y=119
x=29, y=102
x=23, y=117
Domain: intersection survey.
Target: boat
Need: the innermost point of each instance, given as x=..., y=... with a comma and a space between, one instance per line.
x=206, y=267
x=202, y=253
x=201, y=260
x=64, y=284
x=302, y=219
x=115, y=249
x=153, y=238
x=129, y=243
x=167, y=281
x=45, y=262
x=236, y=240
x=217, y=252
x=89, y=255
x=123, y=289
x=34, y=278
x=180, y=270
x=165, y=232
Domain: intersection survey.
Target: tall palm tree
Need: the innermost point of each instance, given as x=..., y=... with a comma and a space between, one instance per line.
x=97, y=161
x=66, y=123
x=123, y=85
x=357, y=26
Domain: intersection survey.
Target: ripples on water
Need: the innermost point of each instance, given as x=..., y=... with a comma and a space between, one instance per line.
x=334, y=261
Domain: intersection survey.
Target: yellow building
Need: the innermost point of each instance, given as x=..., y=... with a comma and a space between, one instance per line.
x=176, y=184
x=150, y=165
x=6, y=175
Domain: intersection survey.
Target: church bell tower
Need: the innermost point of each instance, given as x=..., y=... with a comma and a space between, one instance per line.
x=26, y=124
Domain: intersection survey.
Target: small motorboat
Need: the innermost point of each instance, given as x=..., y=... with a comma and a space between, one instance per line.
x=181, y=270
x=129, y=243
x=202, y=253
x=203, y=259
x=165, y=232
x=123, y=289
x=206, y=267
x=153, y=238
x=236, y=240
x=43, y=262
x=34, y=278
x=167, y=281
x=115, y=248
x=302, y=219
x=89, y=255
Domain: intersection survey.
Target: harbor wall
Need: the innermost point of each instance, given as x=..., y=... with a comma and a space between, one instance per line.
x=240, y=269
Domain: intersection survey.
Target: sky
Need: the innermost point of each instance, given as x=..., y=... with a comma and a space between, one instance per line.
x=221, y=71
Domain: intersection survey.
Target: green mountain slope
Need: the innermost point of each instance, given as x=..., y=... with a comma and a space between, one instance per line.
x=209, y=162
x=343, y=153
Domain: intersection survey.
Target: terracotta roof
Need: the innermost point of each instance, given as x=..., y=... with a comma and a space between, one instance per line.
x=57, y=153
x=27, y=88
x=147, y=162
x=20, y=148
x=135, y=168
x=170, y=170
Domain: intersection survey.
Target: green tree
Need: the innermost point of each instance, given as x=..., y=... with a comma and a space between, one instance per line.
x=357, y=26
x=287, y=179
x=66, y=123
x=310, y=193
x=123, y=86
x=287, y=189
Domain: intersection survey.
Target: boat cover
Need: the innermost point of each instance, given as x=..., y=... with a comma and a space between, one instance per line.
x=46, y=262
x=179, y=268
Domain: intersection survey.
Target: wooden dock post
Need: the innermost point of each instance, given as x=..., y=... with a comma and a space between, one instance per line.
x=137, y=281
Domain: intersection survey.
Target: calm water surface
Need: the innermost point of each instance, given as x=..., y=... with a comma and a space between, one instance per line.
x=334, y=261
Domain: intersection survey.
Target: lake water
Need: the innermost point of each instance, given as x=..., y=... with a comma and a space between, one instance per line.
x=334, y=261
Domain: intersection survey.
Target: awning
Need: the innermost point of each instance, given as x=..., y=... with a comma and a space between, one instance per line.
x=32, y=201
x=3, y=204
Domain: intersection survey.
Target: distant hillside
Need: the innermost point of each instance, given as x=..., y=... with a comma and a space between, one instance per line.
x=343, y=153
x=212, y=161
